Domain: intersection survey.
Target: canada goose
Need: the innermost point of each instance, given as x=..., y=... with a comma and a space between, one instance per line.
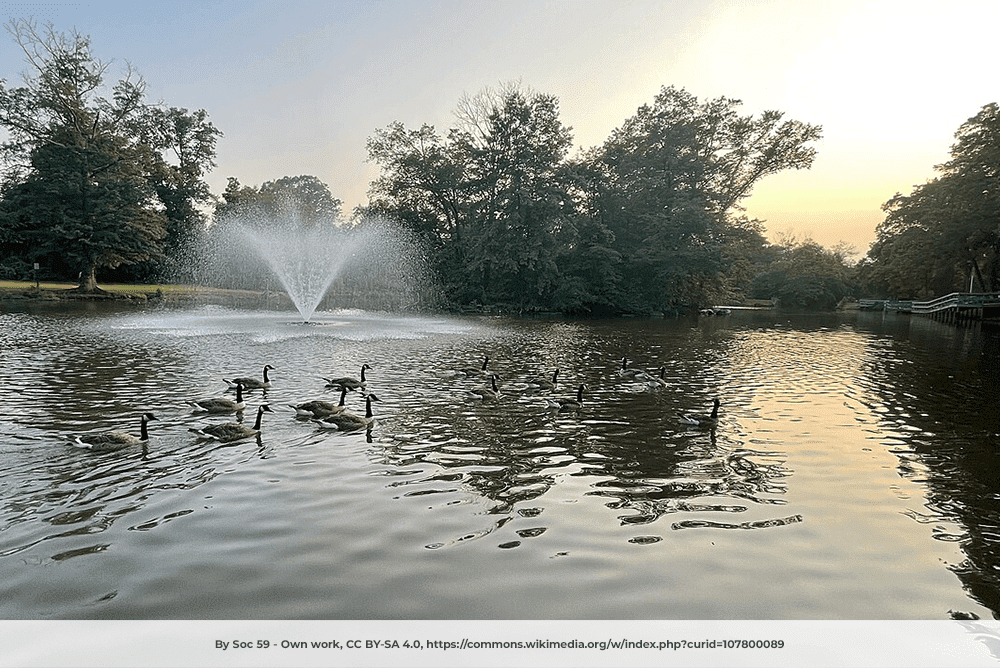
x=710, y=421
x=625, y=372
x=116, y=440
x=348, y=382
x=252, y=383
x=233, y=431
x=348, y=421
x=222, y=404
x=320, y=408
x=473, y=371
x=545, y=383
x=489, y=392
x=567, y=405
x=652, y=381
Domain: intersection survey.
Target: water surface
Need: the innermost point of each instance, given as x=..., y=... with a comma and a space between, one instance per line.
x=851, y=475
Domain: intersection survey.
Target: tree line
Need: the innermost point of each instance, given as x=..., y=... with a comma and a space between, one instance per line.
x=945, y=235
x=648, y=221
x=95, y=178
x=99, y=178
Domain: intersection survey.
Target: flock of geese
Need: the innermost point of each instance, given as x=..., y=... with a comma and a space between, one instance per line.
x=336, y=415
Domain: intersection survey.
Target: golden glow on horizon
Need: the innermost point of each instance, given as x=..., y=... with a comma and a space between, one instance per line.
x=298, y=88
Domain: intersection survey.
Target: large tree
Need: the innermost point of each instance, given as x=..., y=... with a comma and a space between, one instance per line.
x=514, y=146
x=305, y=199
x=948, y=229
x=804, y=274
x=489, y=196
x=180, y=153
x=88, y=183
x=674, y=175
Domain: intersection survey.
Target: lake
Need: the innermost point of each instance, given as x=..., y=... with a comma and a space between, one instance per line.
x=852, y=473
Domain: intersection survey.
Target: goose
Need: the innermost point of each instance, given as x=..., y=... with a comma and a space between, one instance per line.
x=233, y=431
x=625, y=372
x=222, y=404
x=545, y=383
x=116, y=440
x=709, y=421
x=348, y=421
x=473, y=371
x=320, y=408
x=567, y=405
x=348, y=382
x=487, y=393
x=652, y=381
x=252, y=383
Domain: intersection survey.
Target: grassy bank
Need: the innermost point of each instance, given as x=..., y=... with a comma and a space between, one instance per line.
x=140, y=292
x=126, y=289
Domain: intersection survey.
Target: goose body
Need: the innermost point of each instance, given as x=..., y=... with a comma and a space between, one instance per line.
x=476, y=371
x=567, y=405
x=709, y=421
x=653, y=381
x=348, y=382
x=252, y=383
x=545, y=383
x=319, y=408
x=116, y=440
x=488, y=392
x=233, y=431
x=350, y=421
x=625, y=372
x=222, y=404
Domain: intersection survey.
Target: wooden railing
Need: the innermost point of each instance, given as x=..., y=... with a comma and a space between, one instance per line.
x=956, y=306
x=957, y=300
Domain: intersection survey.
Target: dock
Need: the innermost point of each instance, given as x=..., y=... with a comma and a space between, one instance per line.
x=956, y=307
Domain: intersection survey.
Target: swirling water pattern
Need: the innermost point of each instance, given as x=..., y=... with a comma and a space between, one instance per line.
x=847, y=478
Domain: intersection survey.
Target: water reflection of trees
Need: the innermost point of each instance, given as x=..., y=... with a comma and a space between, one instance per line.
x=937, y=395
x=515, y=455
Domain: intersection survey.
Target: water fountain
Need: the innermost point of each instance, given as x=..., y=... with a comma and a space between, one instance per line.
x=373, y=265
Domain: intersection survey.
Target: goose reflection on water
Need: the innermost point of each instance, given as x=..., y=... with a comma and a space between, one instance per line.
x=621, y=487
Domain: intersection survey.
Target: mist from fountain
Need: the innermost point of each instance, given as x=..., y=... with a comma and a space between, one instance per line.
x=373, y=264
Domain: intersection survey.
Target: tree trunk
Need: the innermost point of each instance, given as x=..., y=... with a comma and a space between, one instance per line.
x=88, y=281
x=979, y=276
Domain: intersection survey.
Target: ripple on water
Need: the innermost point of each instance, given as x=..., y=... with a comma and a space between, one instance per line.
x=833, y=455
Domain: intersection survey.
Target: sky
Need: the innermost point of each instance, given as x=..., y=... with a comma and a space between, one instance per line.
x=298, y=87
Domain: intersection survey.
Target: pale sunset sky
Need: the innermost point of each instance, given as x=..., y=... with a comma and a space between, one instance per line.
x=298, y=87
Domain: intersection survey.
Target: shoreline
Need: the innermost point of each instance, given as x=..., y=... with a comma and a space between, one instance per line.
x=25, y=291
x=167, y=293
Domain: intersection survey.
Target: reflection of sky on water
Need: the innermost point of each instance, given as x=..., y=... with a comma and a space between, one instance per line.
x=844, y=479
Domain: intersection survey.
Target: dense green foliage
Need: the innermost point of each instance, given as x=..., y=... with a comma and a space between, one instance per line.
x=647, y=221
x=95, y=178
x=650, y=220
x=947, y=230
x=303, y=198
x=804, y=275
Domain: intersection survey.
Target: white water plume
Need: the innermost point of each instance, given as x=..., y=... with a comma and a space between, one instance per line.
x=370, y=265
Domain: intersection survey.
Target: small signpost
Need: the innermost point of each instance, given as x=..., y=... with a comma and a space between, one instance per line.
x=35, y=268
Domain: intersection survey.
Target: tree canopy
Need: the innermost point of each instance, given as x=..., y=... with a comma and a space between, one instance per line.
x=303, y=198
x=87, y=181
x=647, y=221
x=947, y=229
x=96, y=177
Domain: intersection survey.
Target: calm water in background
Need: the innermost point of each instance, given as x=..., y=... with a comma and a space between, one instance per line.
x=852, y=475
